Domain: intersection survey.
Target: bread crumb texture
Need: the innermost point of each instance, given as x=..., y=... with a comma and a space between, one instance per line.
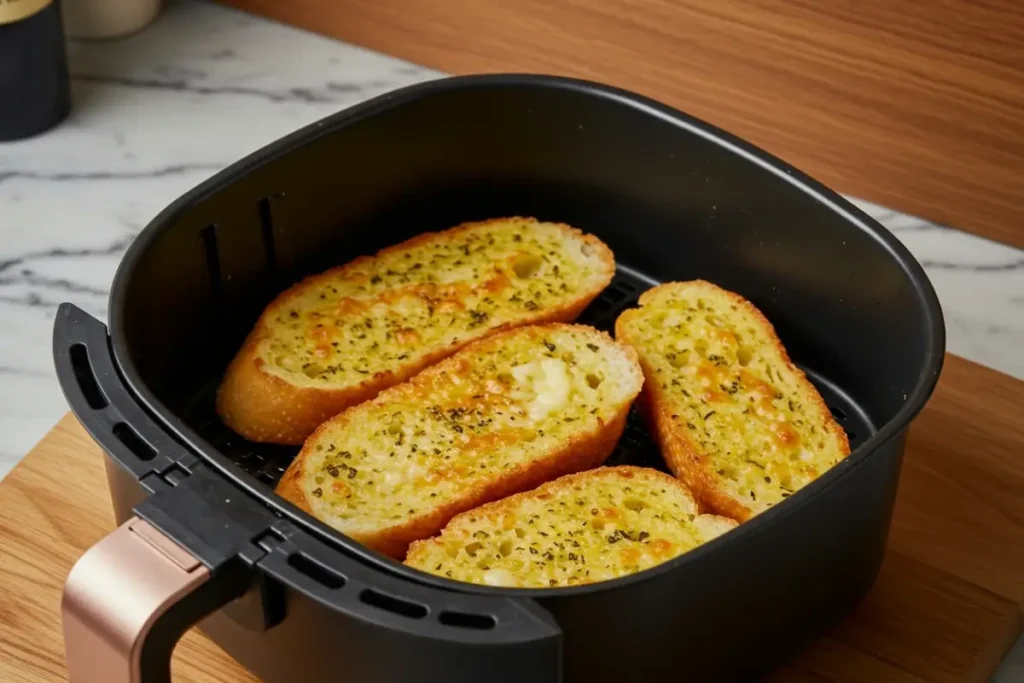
x=581, y=528
x=737, y=420
x=379, y=314
x=501, y=416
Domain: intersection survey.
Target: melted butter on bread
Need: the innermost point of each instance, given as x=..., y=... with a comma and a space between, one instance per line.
x=380, y=313
x=340, y=337
x=504, y=414
x=735, y=418
x=579, y=529
x=544, y=384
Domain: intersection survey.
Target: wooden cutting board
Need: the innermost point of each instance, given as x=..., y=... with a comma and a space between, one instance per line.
x=944, y=609
x=918, y=106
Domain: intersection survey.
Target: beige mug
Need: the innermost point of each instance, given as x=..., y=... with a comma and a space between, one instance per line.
x=92, y=19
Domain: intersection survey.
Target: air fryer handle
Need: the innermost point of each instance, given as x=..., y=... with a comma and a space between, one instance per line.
x=128, y=600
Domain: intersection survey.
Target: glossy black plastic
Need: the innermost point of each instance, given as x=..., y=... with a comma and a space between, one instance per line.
x=675, y=199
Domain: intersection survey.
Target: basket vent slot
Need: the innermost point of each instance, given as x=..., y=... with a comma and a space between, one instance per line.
x=621, y=294
x=85, y=377
x=267, y=478
x=208, y=235
x=311, y=568
x=390, y=603
x=480, y=622
x=133, y=442
x=267, y=228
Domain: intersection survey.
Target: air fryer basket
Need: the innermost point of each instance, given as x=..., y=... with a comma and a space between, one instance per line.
x=675, y=199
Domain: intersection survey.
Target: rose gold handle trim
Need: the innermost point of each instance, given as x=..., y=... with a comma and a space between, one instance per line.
x=113, y=596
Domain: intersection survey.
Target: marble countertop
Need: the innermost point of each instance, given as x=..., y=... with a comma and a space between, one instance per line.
x=157, y=113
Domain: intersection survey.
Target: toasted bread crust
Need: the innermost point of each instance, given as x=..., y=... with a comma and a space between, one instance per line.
x=687, y=460
x=265, y=407
x=684, y=458
x=582, y=451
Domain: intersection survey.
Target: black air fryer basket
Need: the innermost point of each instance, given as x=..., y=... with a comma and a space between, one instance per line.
x=675, y=199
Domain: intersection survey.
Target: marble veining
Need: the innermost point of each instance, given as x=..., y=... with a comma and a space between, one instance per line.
x=157, y=113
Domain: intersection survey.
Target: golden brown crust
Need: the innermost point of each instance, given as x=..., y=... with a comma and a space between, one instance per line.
x=584, y=451
x=288, y=487
x=683, y=456
x=266, y=408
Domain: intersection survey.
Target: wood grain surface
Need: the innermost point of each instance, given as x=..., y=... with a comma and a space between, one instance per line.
x=944, y=609
x=53, y=506
x=915, y=105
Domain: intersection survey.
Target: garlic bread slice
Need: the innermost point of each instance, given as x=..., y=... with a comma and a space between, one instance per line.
x=339, y=338
x=503, y=415
x=735, y=419
x=581, y=528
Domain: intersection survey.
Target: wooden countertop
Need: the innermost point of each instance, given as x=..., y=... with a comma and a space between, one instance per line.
x=915, y=105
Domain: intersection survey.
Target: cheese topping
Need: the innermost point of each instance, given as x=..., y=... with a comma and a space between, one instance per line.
x=382, y=313
x=545, y=385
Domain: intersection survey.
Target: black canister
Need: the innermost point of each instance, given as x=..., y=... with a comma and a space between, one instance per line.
x=34, y=89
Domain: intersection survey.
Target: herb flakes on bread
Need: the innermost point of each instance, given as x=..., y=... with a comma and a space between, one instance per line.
x=338, y=338
x=503, y=415
x=735, y=419
x=581, y=528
